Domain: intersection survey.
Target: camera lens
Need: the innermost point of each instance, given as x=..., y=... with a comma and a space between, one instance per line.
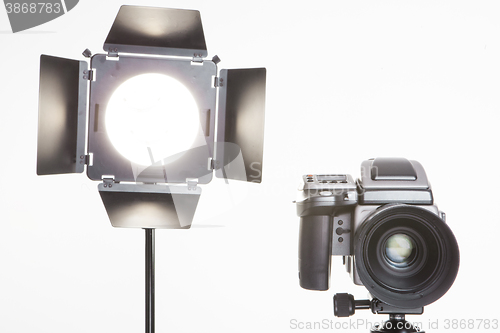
x=400, y=250
x=406, y=255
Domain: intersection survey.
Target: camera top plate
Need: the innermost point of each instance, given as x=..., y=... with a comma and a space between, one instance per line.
x=330, y=182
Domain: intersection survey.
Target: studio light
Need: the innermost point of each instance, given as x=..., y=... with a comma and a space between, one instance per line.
x=158, y=112
x=151, y=119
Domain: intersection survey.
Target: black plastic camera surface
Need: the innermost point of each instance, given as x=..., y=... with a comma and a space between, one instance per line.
x=394, y=239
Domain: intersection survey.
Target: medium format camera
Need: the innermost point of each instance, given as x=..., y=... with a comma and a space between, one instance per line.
x=393, y=238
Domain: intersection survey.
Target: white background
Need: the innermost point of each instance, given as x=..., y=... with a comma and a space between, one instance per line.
x=347, y=81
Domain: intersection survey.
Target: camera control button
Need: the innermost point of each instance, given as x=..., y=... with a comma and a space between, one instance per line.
x=325, y=193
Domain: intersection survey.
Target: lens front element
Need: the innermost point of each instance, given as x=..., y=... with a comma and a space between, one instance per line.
x=399, y=250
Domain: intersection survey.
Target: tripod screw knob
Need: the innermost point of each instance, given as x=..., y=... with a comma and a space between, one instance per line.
x=343, y=305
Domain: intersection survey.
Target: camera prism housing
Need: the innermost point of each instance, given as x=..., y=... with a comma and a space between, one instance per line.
x=392, y=236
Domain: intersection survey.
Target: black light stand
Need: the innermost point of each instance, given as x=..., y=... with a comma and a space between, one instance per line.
x=150, y=280
x=344, y=305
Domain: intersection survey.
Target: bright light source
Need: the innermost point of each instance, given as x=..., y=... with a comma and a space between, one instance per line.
x=151, y=117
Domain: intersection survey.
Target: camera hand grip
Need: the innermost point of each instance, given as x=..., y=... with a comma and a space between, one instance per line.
x=315, y=251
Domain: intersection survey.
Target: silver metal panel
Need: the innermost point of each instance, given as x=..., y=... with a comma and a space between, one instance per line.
x=150, y=206
x=198, y=78
x=61, y=116
x=242, y=95
x=152, y=30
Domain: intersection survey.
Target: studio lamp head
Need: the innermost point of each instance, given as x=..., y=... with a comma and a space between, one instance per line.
x=161, y=117
x=393, y=238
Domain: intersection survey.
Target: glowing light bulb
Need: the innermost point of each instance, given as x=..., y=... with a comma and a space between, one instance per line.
x=151, y=117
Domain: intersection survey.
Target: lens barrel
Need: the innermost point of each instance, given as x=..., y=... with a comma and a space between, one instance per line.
x=406, y=255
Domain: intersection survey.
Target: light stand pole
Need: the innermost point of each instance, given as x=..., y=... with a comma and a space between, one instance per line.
x=150, y=280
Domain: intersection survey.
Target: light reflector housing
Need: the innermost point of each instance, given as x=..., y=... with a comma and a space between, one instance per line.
x=149, y=42
x=197, y=78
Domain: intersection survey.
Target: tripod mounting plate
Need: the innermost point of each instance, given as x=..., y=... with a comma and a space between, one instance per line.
x=396, y=324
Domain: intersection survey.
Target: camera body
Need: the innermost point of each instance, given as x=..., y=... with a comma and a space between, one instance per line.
x=393, y=238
